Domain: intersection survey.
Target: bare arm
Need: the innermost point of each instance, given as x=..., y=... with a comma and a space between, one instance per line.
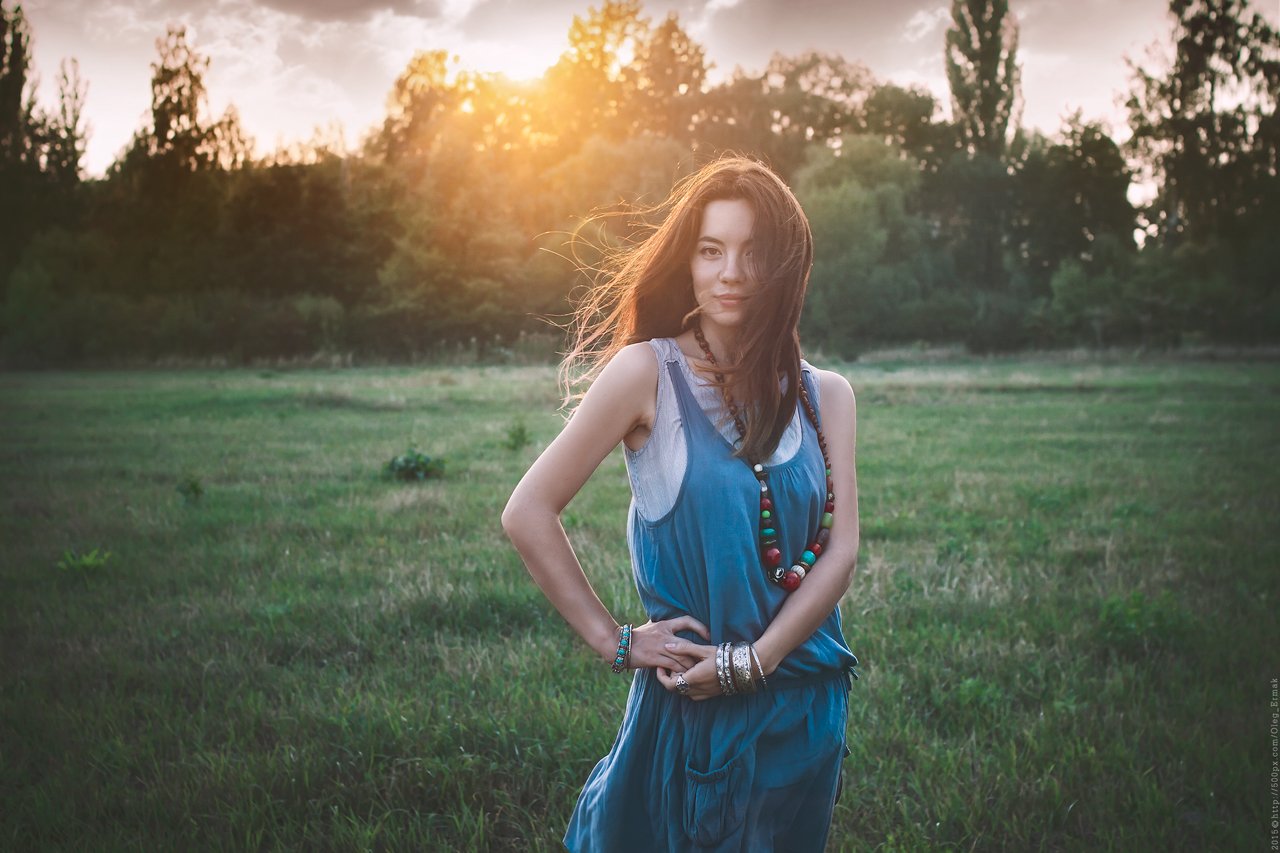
x=620, y=400
x=807, y=607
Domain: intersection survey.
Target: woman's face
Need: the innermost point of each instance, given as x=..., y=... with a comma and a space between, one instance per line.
x=722, y=283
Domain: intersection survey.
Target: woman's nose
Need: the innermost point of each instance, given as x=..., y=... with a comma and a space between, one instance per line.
x=731, y=270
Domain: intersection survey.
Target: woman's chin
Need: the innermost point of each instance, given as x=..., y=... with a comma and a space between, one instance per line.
x=727, y=317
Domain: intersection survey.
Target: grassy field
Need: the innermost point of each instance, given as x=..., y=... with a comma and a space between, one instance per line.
x=1064, y=610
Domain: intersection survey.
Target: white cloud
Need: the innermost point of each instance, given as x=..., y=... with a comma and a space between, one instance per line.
x=924, y=22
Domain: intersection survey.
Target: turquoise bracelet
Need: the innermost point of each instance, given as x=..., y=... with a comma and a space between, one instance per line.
x=623, y=657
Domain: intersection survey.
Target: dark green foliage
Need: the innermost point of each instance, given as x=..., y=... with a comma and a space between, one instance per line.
x=1204, y=125
x=458, y=225
x=415, y=465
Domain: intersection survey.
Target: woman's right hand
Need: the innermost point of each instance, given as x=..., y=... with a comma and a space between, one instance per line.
x=649, y=641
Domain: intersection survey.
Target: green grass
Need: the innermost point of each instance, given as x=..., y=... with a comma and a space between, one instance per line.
x=1063, y=610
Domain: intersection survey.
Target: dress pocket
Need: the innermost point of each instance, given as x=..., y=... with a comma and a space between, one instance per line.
x=715, y=802
x=844, y=753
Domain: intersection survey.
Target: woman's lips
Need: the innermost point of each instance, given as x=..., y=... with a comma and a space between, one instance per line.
x=731, y=300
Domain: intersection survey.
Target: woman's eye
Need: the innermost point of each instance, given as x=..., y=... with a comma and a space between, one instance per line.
x=710, y=251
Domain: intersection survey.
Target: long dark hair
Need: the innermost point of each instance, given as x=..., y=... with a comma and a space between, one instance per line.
x=645, y=291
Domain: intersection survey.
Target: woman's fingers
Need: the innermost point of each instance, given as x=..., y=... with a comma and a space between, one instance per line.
x=677, y=663
x=702, y=680
x=688, y=623
x=665, y=676
x=685, y=648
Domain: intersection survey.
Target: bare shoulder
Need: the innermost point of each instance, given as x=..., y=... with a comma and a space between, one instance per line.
x=625, y=391
x=834, y=387
x=636, y=359
x=632, y=371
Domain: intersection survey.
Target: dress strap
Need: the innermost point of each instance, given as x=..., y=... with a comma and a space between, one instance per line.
x=811, y=385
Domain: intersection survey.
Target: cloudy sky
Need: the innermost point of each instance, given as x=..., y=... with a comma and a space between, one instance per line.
x=291, y=66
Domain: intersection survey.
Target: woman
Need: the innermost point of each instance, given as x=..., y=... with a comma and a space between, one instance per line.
x=741, y=544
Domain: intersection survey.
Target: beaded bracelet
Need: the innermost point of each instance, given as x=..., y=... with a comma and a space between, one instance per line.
x=623, y=658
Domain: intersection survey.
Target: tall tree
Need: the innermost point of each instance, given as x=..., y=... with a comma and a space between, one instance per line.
x=65, y=133
x=180, y=137
x=17, y=97
x=668, y=72
x=1205, y=127
x=905, y=118
x=796, y=102
x=983, y=72
x=1067, y=196
x=984, y=75
x=591, y=86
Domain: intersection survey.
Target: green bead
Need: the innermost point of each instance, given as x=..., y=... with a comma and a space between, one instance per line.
x=826, y=519
x=764, y=513
x=809, y=558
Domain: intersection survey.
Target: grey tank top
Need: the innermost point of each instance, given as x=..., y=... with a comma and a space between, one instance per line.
x=657, y=469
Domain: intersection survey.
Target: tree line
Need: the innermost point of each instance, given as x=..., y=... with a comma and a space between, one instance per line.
x=464, y=218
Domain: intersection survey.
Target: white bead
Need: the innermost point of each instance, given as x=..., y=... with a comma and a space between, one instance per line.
x=798, y=569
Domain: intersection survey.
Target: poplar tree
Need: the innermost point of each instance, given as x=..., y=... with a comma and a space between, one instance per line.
x=984, y=75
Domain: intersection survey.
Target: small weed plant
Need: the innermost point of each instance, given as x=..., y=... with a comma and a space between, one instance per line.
x=518, y=435
x=414, y=465
x=86, y=563
x=191, y=489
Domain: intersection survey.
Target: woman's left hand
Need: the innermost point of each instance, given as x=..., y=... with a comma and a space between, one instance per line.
x=701, y=677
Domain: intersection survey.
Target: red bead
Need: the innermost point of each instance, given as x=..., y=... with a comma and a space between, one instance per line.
x=791, y=581
x=765, y=503
x=816, y=549
x=831, y=506
x=773, y=556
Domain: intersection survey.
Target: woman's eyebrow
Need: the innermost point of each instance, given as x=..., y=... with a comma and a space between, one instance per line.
x=717, y=240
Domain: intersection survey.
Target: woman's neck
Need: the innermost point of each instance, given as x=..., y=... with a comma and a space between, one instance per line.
x=722, y=341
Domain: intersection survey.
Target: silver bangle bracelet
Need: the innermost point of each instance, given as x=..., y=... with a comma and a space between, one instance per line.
x=742, y=668
x=721, y=675
x=763, y=682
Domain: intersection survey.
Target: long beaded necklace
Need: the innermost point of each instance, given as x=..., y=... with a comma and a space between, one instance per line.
x=770, y=554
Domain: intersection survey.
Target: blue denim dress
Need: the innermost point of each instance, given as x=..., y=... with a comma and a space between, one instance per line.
x=758, y=772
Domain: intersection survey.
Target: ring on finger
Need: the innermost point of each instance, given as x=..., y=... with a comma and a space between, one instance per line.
x=682, y=686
